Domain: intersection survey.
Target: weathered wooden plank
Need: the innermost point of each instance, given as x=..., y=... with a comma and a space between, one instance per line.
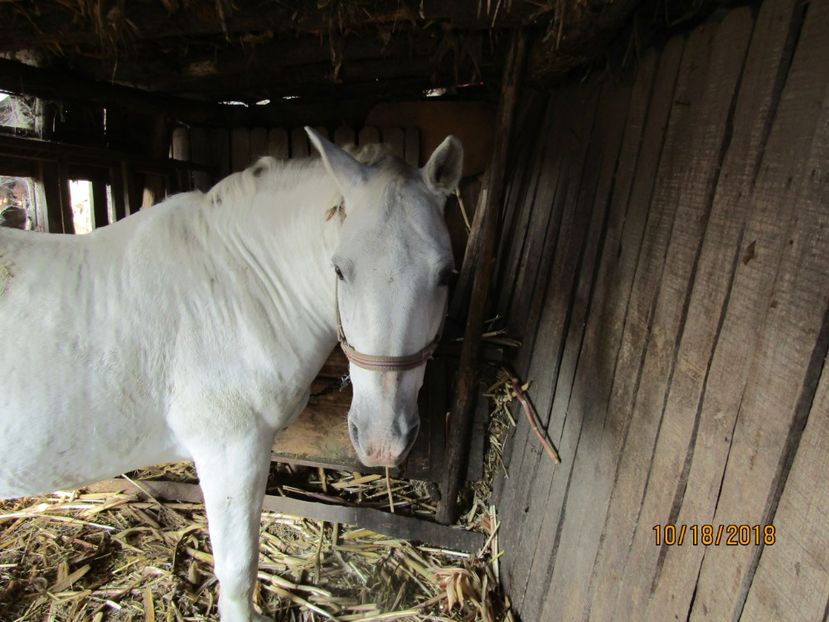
x=792, y=578
x=651, y=103
x=711, y=112
x=524, y=177
x=626, y=576
x=783, y=168
x=569, y=153
x=536, y=207
x=560, y=333
x=279, y=144
x=782, y=378
x=258, y=143
x=239, y=148
x=393, y=525
x=604, y=433
x=300, y=148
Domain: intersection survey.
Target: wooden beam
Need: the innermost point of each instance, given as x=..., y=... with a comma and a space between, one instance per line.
x=50, y=151
x=466, y=386
x=394, y=525
x=61, y=85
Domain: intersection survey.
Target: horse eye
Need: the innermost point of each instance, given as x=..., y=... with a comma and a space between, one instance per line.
x=339, y=273
x=447, y=277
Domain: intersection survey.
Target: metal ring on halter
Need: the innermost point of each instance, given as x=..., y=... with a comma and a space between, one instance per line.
x=375, y=362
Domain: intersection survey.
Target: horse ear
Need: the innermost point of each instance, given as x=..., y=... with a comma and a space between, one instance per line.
x=443, y=170
x=346, y=171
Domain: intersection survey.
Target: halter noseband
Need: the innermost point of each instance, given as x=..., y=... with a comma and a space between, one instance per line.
x=374, y=362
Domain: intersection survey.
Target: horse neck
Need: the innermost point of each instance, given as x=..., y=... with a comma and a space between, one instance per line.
x=284, y=243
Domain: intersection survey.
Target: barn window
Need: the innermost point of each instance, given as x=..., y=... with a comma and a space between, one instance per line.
x=20, y=112
x=80, y=198
x=18, y=202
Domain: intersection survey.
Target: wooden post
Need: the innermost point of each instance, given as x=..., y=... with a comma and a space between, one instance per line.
x=56, y=192
x=466, y=386
x=128, y=188
x=117, y=185
x=100, y=209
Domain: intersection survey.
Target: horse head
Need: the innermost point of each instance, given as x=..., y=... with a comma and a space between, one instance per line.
x=392, y=266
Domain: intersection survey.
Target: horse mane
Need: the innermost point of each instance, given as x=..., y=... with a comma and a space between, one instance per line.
x=238, y=188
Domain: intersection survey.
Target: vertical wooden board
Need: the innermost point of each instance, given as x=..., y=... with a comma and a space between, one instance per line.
x=792, y=578
x=559, y=195
x=239, y=148
x=220, y=151
x=411, y=146
x=783, y=167
x=603, y=433
x=116, y=183
x=572, y=271
x=519, y=206
x=100, y=210
x=629, y=577
x=368, y=136
x=770, y=418
x=637, y=163
x=200, y=154
x=180, y=144
x=537, y=202
x=395, y=139
x=279, y=144
x=344, y=136
x=536, y=214
x=50, y=182
x=300, y=148
x=546, y=198
x=523, y=179
x=258, y=143
x=711, y=117
x=128, y=186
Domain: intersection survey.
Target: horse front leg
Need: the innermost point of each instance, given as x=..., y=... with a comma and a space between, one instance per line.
x=233, y=473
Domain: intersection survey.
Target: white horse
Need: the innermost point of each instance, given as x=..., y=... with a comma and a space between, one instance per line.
x=194, y=329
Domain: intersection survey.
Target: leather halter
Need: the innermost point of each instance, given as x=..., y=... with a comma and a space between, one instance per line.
x=374, y=362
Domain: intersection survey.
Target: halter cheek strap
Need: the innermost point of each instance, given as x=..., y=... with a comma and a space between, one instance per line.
x=375, y=362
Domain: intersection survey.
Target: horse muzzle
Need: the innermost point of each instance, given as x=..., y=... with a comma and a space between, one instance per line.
x=382, y=448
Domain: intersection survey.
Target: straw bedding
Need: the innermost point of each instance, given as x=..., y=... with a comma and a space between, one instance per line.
x=84, y=555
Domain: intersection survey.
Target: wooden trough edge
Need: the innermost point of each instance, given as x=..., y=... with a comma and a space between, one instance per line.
x=394, y=525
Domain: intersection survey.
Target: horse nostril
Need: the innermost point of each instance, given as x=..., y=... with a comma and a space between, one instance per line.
x=354, y=432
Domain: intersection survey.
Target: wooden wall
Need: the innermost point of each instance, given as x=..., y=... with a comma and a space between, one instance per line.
x=665, y=258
